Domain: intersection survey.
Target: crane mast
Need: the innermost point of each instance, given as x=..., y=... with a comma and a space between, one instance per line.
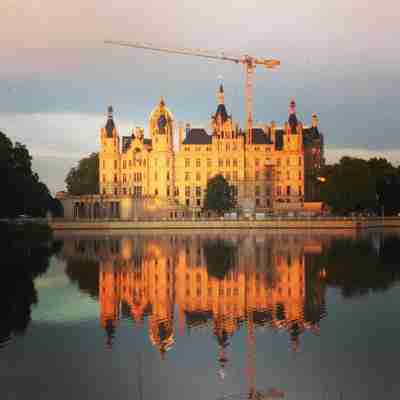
x=248, y=62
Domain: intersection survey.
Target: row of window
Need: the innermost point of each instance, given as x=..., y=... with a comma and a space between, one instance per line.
x=288, y=190
x=130, y=163
x=156, y=176
x=198, y=191
x=234, y=175
x=138, y=176
x=234, y=162
x=221, y=162
x=289, y=175
x=227, y=147
x=136, y=162
x=136, y=191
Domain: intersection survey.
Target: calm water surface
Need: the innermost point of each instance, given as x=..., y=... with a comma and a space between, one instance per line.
x=195, y=315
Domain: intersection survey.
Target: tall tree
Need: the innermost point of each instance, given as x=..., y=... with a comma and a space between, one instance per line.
x=84, y=179
x=349, y=186
x=355, y=184
x=22, y=190
x=220, y=195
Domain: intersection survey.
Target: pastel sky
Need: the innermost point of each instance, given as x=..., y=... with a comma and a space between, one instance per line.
x=339, y=58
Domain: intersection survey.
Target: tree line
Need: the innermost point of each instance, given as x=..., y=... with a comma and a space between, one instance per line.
x=22, y=191
x=355, y=185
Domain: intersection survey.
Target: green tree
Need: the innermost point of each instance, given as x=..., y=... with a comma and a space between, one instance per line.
x=22, y=191
x=220, y=256
x=355, y=184
x=349, y=186
x=84, y=179
x=220, y=195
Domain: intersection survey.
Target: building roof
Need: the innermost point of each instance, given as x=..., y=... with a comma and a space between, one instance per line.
x=197, y=318
x=279, y=139
x=260, y=137
x=197, y=136
x=110, y=127
x=221, y=111
x=126, y=141
x=293, y=122
x=310, y=134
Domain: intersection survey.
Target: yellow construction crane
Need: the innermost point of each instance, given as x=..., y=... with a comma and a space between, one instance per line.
x=249, y=63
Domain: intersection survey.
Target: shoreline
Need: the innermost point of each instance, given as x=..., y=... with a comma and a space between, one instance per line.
x=202, y=224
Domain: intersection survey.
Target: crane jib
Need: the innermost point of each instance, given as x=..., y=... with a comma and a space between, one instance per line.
x=248, y=61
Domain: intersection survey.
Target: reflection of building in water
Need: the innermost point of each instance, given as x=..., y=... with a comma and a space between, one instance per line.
x=272, y=282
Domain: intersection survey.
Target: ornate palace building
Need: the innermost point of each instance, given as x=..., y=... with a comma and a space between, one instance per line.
x=273, y=169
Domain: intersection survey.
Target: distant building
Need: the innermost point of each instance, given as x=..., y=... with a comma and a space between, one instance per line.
x=273, y=169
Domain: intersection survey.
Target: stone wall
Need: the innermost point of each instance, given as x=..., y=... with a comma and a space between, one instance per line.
x=272, y=223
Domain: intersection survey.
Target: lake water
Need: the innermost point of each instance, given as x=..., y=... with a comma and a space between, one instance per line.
x=203, y=315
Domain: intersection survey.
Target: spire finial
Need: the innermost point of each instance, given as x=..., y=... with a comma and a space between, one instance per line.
x=314, y=120
x=292, y=107
x=162, y=101
x=221, y=95
x=110, y=112
x=292, y=116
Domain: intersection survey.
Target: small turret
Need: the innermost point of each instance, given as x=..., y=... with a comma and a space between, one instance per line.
x=292, y=120
x=110, y=126
x=314, y=120
x=187, y=129
x=221, y=95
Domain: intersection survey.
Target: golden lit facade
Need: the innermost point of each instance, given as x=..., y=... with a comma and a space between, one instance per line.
x=268, y=173
x=269, y=284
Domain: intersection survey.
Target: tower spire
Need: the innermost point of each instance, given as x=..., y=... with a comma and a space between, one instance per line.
x=110, y=112
x=221, y=94
x=110, y=126
x=292, y=116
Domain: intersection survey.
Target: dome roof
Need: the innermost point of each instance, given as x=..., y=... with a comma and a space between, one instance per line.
x=161, y=110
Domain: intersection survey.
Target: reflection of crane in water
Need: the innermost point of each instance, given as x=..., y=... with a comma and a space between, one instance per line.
x=252, y=393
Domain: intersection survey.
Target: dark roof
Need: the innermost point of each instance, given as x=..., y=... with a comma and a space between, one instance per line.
x=197, y=318
x=221, y=110
x=260, y=137
x=310, y=134
x=110, y=127
x=293, y=122
x=197, y=136
x=126, y=141
x=278, y=139
x=147, y=141
x=262, y=317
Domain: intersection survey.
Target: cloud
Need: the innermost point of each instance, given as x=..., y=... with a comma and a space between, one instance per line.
x=56, y=141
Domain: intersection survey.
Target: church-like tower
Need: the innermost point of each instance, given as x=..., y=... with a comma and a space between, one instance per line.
x=221, y=121
x=162, y=172
x=109, y=157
